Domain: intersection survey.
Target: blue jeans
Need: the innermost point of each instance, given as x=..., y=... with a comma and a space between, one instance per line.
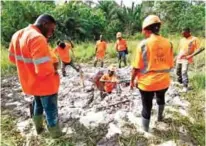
x=122, y=56
x=49, y=105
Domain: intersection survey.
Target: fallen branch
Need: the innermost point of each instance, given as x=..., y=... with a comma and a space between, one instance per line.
x=113, y=104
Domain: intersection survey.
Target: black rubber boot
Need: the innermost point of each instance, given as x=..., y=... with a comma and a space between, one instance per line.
x=160, y=112
x=145, y=124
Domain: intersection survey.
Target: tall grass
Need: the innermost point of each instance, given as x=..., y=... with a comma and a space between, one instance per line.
x=6, y=66
x=85, y=52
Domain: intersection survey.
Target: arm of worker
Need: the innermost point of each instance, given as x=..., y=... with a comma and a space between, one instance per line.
x=137, y=63
x=105, y=79
x=12, y=53
x=195, y=53
x=41, y=57
x=116, y=46
x=134, y=74
x=72, y=45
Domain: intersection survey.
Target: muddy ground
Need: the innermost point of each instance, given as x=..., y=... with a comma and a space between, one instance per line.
x=83, y=113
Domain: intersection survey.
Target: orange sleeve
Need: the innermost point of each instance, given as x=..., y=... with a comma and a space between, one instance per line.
x=103, y=78
x=12, y=53
x=41, y=57
x=138, y=60
x=116, y=46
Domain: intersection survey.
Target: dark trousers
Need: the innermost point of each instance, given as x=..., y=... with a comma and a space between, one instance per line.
x=64, y=64
x=49, y=105
x=147, y=97
x=181, y=71
x=122, y=56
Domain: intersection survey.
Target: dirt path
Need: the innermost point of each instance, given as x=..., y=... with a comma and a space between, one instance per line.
x=83, y=114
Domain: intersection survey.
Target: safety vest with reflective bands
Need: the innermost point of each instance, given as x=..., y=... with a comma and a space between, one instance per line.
x=30, y=52
x=187, y=46
x=154, y=59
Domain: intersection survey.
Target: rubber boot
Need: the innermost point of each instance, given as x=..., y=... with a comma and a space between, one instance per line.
x=125, y=62
x=55, y=131
x=119, y=64
x=145, y=124
x=95, y=63
x=64, y=73
x=160, y=112
x=102, y=64
x=38, y=123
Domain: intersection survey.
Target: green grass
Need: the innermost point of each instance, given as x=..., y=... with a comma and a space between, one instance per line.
x=10, y=136
x=84, y=52
x=6, y=66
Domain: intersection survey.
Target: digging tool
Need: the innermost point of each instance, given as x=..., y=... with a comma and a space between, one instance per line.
x=120, y=102
x=194, y=54
x=198, y=52
x=81, y=77
x=31, y=109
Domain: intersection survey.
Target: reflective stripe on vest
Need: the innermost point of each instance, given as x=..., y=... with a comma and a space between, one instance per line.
x=145, y=62
x=29, y=60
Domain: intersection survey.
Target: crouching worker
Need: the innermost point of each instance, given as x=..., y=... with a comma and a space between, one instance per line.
x=29, y=51
x=110, y=81
x=63, y=51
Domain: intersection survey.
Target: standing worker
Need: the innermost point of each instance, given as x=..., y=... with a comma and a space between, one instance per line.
x=187, y=46
x=153, y=61
x=121, y=48
x=63, y=50
x=29, y=51
x=101, y=47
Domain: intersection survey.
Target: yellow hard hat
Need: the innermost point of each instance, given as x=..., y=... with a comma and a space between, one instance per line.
x=149, y=20
x=119, y=35
x=112, y=68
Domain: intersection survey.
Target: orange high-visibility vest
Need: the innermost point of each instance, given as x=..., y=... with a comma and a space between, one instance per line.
x=101, y=49
x=64, y=53
x=30, y=52
x=121, y=45
x=187, y=46
x=53, y=56
x=154, y=59
x=109, y=86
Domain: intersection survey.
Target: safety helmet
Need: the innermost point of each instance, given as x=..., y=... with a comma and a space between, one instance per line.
x=112, y=68
x=149, y=20
x=119, y=35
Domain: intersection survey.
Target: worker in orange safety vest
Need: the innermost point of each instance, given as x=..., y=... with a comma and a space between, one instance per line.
x=188, y=45
x=101, y=47
x=63, y=51
x=151, y=67
x=30, y=52
x=110, y=81
x=121, y=48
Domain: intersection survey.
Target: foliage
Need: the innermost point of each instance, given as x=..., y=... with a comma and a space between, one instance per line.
x=79, y=21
